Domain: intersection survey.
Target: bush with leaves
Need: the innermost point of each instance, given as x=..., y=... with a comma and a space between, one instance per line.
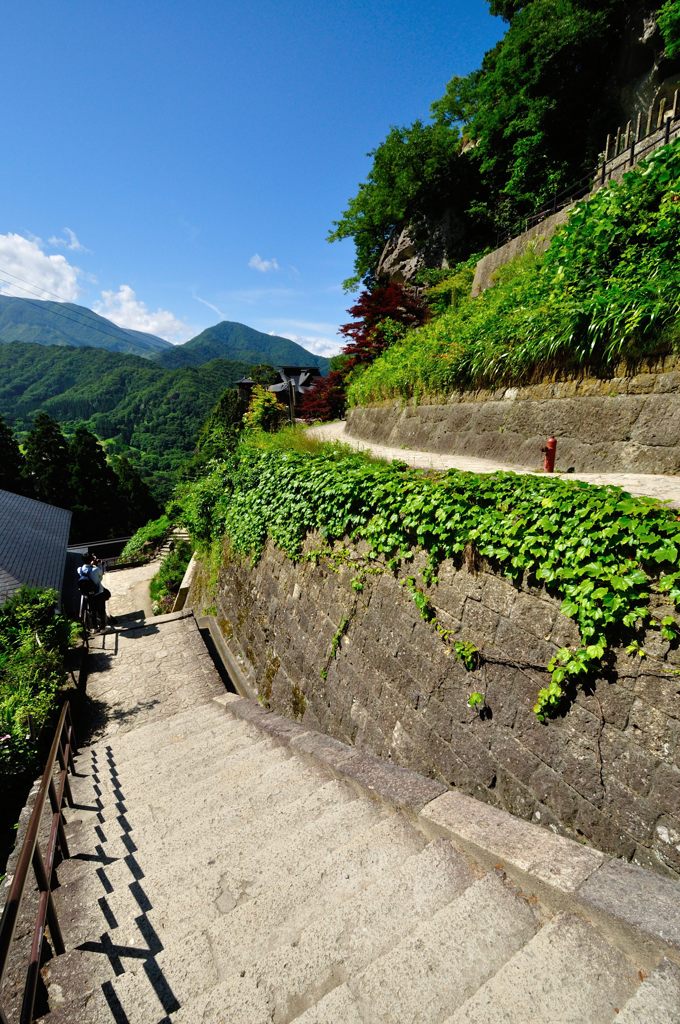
x=34, y=638
x=165, y=585
x=607, y=289
x=147, y=538
x=603, y=552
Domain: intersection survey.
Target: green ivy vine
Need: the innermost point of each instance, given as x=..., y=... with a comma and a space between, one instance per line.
x=603, y=552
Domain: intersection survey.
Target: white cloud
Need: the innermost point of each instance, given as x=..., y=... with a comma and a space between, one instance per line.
x=126, y=310
x=257, y=263
x=27, y=272
x=319, y=346
x=71, y=241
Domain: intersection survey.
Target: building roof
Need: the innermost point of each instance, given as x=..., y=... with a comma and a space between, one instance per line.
x=33, y=539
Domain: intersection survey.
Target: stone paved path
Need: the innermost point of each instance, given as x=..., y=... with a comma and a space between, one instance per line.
x=223, y=872
x=667, y=488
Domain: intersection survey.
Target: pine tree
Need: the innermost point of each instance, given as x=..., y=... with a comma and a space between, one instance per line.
x=94, y=486
x=48, y=462
x=12, y=464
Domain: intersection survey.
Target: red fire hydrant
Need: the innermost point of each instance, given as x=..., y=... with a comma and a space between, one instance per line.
x=549, y=449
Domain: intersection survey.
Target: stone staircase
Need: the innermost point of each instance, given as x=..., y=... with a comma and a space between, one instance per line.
x=232, y=867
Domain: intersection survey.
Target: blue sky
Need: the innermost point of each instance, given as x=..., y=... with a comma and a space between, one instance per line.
x=174, y=164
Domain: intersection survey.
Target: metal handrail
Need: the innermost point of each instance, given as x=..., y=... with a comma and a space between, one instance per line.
x=58, y=789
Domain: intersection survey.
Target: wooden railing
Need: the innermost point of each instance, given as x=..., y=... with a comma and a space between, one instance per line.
x=55, y=785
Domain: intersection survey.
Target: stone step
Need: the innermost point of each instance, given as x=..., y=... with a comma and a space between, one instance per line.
x=338, y=1006
x=447, y=958
x=113, y=896
x=138, y=740
x=279, y=914
x=568, y=972
x=134, y=739
x=246, y=792
x=174, y=746
x=342, y=941
x=657, y=1000
x=165, y=779
x=251, y=796
x=236, y=871
x=137, y=803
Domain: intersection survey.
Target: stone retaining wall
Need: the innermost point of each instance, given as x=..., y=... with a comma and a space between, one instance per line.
x=627, y=423
x=605, y=773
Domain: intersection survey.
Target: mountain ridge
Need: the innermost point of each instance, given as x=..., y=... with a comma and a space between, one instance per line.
x=67, y=325
x=235, y=341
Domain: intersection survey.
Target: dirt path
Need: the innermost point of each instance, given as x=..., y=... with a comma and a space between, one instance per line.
x=667, y=488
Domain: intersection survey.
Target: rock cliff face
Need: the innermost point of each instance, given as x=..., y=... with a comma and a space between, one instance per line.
x=366, y=669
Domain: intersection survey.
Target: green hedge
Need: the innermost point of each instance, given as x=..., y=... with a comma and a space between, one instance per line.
x=147, y=537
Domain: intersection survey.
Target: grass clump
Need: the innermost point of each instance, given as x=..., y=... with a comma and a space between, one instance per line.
x=606, y=290
x=147, y=538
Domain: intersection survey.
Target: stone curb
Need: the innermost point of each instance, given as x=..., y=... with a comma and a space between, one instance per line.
x=234, y=671
x=635, y=907
x=398, y=786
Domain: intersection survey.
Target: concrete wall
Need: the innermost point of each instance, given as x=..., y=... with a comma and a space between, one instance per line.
x=606, y=773
x=622, y=424
x=538, y=236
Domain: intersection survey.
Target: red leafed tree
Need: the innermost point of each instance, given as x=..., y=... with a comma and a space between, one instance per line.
x=377, y=316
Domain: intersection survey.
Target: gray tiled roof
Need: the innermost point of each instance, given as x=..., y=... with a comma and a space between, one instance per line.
x=33, y=539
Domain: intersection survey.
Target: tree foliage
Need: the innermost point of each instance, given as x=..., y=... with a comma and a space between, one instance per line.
x=380, y=316
x=505, y=139
x=669, y=24
x=410, y=179
x=607, y=289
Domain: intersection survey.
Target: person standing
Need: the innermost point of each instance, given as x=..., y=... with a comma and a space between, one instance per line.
x=92, y=570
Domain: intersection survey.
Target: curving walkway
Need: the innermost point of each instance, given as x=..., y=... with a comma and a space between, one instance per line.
x=666, y=488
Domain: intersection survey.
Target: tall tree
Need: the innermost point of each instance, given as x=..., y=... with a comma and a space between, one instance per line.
x=48, y=462
x=137, y=502
x=94, y=486
x=12, y=463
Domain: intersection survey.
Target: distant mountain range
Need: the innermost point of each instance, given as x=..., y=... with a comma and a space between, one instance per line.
x=229, y=340
x=64, y=323
x=41, y=322
x=136, y=406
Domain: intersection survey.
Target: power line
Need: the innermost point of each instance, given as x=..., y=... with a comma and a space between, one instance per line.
x=94, y=323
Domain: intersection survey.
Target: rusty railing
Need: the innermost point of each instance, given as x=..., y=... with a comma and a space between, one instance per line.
x=54, y=785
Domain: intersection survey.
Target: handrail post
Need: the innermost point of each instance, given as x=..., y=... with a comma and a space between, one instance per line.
x=30, y=856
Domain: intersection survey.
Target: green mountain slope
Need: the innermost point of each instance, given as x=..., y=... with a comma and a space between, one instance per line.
x=229, y=340
x=65, y=323
x=126, y=400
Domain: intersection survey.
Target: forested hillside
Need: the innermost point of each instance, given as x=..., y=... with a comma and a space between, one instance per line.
x=64, y=323
x=228, y=340
x=144, y=411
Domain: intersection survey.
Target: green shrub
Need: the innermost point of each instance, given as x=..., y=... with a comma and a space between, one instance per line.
x=607, y=289
x=166, y=583
x=34, y=639
x=147, y=537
